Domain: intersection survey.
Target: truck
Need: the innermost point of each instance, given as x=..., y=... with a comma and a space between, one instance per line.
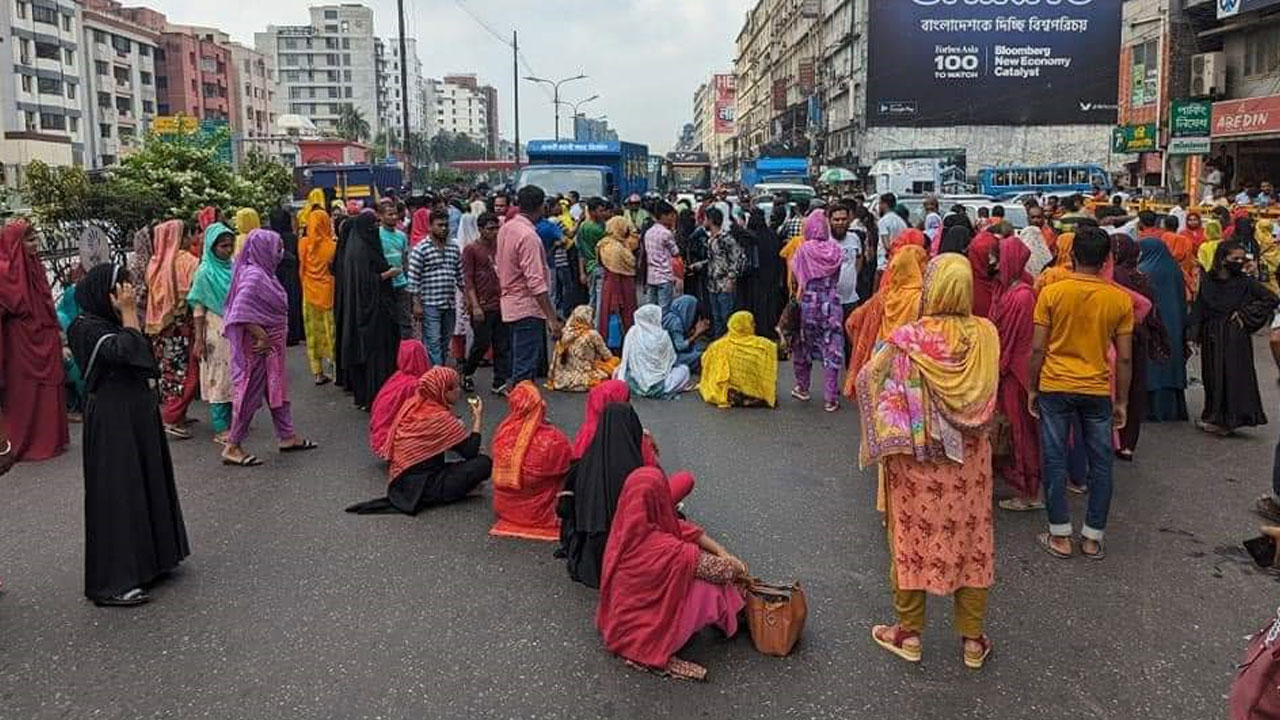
x=690, y=171
x=608, y=168
x=775, y=170
x=347, y=182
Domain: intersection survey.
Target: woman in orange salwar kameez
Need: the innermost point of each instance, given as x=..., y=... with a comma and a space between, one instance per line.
x=927, y=397
x=530, y=460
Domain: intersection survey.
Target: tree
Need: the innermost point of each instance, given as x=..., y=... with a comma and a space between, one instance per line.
x=449, y=147
x=351, y=124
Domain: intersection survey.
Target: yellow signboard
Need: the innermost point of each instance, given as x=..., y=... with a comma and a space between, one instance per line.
x=175, y=123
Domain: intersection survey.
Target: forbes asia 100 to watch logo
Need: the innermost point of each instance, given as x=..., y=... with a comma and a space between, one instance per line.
x=1227, y=8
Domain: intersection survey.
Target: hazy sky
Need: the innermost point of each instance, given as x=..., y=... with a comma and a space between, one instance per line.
x=643, y=57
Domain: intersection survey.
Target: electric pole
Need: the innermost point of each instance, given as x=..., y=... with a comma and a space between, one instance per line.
x=515, y=89
x=404, y=94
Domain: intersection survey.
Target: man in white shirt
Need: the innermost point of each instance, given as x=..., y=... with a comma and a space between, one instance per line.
x=851, y=256
x=891, y=226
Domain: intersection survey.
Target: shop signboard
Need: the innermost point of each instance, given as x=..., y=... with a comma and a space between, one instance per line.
x=1231, y=8
x=1250, y=116
x=1189, y=145
x=1190, y=118
x=1135, y=138
x=1055, y=65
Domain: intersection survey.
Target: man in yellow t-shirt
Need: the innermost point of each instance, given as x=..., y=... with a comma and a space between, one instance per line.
x=1077, y=320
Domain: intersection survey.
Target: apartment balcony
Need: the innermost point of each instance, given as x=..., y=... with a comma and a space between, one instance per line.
x=110, y=146
x=124, y=86
x=108, y=115
x=126, y=117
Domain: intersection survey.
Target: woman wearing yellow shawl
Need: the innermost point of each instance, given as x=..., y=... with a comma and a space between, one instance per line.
x=740, y=368
x=927, y=397
x=247, y=221
x=315, y=255
x=1209, y=248
x=616, y=253
x=1063, y=265
x=1268, y=251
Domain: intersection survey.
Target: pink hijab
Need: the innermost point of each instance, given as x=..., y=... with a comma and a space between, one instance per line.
x=817, y=256
x=411, y=363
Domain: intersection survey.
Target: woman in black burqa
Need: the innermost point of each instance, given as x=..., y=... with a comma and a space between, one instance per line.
x=281, y=220
x=368, y=336
x=134, y=532
x=1229, y=308
x=766, y=295
x=592, y=489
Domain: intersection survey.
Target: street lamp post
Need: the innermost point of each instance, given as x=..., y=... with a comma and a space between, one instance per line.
x=555, y=85
x=575, y=106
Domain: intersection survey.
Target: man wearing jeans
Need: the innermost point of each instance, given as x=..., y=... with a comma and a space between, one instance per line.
x=435, y=277
x=726, y=263
x=481, y=278
x=1076, y=322
x=522, y=274
x=661, y=250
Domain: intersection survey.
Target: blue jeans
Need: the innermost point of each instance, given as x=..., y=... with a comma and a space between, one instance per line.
x=660, y=295
x=437, y=329
x=528, y=347
x=1058, y=411
x=597, y=281
x=721, y=309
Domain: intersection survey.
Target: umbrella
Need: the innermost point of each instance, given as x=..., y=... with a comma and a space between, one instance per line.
x=838, y=175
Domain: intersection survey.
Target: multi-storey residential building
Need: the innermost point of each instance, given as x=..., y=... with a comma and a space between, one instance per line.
x=41, y=95
x=194, y=75
x=390, y=103
x=253, y=85
x=326, y=65
x=120, y=79
x=753, y=74
x=714, y=112
x=460, y=104
x=587, y=129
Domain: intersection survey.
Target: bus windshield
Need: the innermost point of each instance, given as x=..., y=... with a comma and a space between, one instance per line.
x=690, y=177
x=560, y=180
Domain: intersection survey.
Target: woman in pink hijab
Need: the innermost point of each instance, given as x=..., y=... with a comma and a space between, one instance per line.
x=816, y=268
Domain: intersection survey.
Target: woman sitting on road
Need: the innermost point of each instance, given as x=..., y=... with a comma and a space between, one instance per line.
x=649, y=364
x=423, y=431
x=581, y=359
x=411, y=363
x=530, y=460
x=687, y=331
x=600, y=397
x=664, y=580
x=740, y=368
x=593, y=486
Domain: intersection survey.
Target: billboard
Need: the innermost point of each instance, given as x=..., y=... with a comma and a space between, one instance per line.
x=726, y=104
x=934, y=63
x=1231, y=8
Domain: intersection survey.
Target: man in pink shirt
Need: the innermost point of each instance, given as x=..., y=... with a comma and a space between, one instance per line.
x=522, y=274
x=660, y=249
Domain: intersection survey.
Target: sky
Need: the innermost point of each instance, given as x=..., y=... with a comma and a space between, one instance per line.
x=644, y=58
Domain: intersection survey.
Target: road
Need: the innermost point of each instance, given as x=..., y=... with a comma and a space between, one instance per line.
x=290, y=608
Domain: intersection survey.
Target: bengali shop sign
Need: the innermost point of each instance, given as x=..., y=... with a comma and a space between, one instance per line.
x=1190, y=118
x=726, y=104
x=1251, y=116
x=993, y=62
x=1135, y=138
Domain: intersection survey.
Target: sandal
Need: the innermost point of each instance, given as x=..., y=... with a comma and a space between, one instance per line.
x=246, y=461
x=832, y=407
x=1077, y=489
x=1098, y=554
x=1267, y=507
x=896, y=643
x=800, y=395
x=1125, y=455
x=323, y=380
x=177, y=433
x=1045, y=542
x=975, y=661
x=1017, y=504
x=299, y=446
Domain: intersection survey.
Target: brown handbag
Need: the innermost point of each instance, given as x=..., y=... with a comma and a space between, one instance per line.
x=775, y=616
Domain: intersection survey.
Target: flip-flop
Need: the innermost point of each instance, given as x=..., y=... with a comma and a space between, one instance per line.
x=1043, y=539
x=177, y=433
x=324, y=380
x=246, y=461
x=1099, y=555
x=304, y=445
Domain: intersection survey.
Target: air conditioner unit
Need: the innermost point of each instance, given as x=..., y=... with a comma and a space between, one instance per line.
x=1208, y=74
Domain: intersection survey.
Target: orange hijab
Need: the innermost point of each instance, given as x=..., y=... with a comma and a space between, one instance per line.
x=315, y=253
x=1063, y=266
x=896, y=304
x=425, y=425
x=528, y=412
x=169, y=275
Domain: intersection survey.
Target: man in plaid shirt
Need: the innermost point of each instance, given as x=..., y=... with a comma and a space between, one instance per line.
x=435, y=278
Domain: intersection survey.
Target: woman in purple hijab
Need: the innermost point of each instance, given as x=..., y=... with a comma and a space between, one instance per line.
x=256, y=325
x=816, y=268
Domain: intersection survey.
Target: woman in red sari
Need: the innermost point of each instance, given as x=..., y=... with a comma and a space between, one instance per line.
x=32, y=390
x=1012, y=314
x=530, y=459
x=663, y=580
x=411, y=363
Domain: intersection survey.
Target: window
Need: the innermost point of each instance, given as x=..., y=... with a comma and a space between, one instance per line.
x=124, y=105
x=1144, y=73
x=148, y=107
x=208, y=64
x=108, y=160
x=104, y=130
x=73, y=124
x=26, y=83
x=45, y=15
x=331, y=43
x=122, y=44
x=71, y=91
x=162, y=83
x=30, y=121
x=333, y=92
x=330, y=14
x=347, y=92
x=127, y=134
x=346, y=59
x=345, y=26
x=331, y=28
x=66, y=23
x=48, y=51
x=104, y=100
x=289, y=44
x=159, y=54
x=22, y=9
x=122, y=76
x=346, y=43
x=50, y=121
x=144, y=50
x=346, y=76
x=1262, y=52
x=49, y=86
x=69, y=57
x=144, y=77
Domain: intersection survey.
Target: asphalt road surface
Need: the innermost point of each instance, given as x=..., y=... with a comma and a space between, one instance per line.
x=290, y=608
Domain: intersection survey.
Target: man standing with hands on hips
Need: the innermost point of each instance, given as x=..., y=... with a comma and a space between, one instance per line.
x=522, y=275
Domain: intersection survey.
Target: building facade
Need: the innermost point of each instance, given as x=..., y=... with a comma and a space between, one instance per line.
x=194, y=75
x=41, y=92
x=587, y=129
x=460, y=104
x=120, y=78
x=326, y=65
x=253, y=86
x=391, y=105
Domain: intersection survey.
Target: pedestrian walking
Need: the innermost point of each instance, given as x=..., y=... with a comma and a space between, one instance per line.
x=171, y=326
x=435, y=277
x=289, y=270
x=816, y=269
x=1166, y=379
x=207, y=298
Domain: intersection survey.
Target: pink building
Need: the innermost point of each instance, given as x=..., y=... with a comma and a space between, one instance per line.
x=193, y=75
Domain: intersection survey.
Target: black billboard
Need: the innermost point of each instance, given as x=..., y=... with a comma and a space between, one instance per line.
x=936, y=63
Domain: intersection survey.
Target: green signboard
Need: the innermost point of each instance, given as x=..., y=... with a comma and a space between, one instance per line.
x=173, y=128
x=1135, y=138
x=210, y=128
x=1190, y=118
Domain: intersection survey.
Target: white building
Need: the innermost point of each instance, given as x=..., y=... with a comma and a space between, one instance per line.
x=326, y=65
x=391, y=105
x=41, y=94
x=120, y=78
x=460, y=104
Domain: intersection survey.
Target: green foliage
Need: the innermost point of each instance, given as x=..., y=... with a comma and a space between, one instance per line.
x=444, y=177
x=351, y=124
x=445, y=148
x=50, y=191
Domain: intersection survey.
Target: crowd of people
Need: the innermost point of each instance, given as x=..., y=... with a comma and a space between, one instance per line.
x=968, y=348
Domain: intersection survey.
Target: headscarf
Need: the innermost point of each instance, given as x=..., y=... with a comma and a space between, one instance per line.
x=647, y=352
x=1268, y=251
x=601, y=396
x=817, y=257
x=649, y=567
x=411, y=362
x=1013, y=309
x=419, y=226
x=315, y=199
x=256, y=296
x=95, y=248
x=206, y=216
x=984, y=285
x=680, y=314
x=1040, y=255
x=468, y=230
x=281, y=221
x=526, y=414
x=1197, y=234
x=612, y=250
x=742, y=361
x=901, y=294
x=955, y=239
x=1209, y=248
x=247, y=221
x=1063, y=266
x=934, y=379
x=910, y=236
x=212, y=280
x=168, y=275
x=614, y=454
x=425, y=426
x=26, y=300
x=315, y=258
x=581, y=322
x=97, y=319
x=353, y=207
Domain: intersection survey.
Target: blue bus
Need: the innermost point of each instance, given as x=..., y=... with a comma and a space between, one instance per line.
x=1063, y=179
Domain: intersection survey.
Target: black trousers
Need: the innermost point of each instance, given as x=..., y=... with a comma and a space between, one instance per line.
x=492, y=332
x=417, y=490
